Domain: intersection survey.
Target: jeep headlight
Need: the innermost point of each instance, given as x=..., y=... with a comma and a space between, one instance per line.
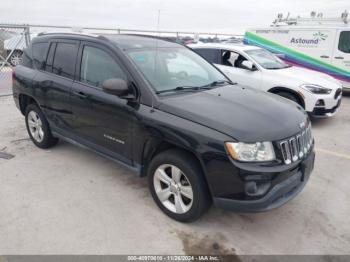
x=251, y=152
x=316, y=89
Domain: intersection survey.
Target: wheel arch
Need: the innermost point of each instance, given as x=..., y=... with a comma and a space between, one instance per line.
x=277, y=89
x=24, y=101
x=154, y=147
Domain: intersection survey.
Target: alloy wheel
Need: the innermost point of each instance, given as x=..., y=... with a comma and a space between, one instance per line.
x=35, y=126
x=173, y=188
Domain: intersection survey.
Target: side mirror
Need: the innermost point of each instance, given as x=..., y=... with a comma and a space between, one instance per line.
x=282, y=56
x=115, y=86
x=246, y=64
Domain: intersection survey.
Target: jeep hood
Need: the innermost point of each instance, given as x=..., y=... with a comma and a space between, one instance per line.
x=245, y=114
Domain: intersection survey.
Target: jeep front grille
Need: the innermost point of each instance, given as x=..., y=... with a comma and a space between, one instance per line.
x=297, y=146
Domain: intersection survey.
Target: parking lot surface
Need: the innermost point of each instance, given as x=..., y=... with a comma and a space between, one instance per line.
x=5, y=81
x=68, y=200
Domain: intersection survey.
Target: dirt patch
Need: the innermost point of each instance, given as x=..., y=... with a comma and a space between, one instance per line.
x=3, y=259
x=17, y=141
x=4, y=155
x=215, y=244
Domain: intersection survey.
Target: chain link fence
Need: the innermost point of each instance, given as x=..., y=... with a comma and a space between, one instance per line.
x=14, y=38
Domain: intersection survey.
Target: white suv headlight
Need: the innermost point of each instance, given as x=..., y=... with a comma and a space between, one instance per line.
x=316, y=89
x=251, y=152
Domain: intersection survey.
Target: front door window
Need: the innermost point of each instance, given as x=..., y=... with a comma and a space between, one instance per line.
x=98, y=66
x=230, y=58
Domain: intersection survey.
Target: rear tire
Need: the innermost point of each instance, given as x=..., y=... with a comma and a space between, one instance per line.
x=177, y=185
x=38, y=128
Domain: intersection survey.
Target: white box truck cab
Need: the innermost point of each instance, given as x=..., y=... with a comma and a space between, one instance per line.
x=321, y=44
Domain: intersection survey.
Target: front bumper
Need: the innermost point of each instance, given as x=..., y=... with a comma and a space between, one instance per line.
x=323, y=112
x=330, y=105
x=278, y=195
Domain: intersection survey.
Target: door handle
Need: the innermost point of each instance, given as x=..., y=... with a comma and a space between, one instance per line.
x=324, y=56
x=339, y=57
x=81, y=95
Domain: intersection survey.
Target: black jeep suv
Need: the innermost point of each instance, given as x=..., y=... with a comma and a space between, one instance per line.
x=163, y=111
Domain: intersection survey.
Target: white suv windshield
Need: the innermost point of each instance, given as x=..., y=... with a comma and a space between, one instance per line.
x=171, y=68
x=266, y=59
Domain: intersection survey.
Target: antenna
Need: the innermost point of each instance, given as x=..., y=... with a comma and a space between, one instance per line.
x=158, y=22
x=156, y=56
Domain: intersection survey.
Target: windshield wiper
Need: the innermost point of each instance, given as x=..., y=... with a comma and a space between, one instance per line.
x=182, y=88
x=197, y=88
x=220, y=83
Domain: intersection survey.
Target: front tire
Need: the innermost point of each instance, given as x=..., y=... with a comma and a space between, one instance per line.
x=177, y=185
x=38, y=128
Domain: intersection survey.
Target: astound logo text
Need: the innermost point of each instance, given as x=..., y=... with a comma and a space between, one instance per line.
x=304, y=41
x=318, y=37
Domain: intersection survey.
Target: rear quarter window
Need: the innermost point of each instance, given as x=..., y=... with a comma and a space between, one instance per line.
x=27, y=59
x=39, y=54
x=50, y=55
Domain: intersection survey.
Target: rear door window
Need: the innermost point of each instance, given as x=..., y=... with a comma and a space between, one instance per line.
x=64, y=59
x=344, y=42
x=39, y=54
x=211, y=55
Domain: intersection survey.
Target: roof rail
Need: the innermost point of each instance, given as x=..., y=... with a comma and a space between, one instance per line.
x=163, y=38
x=314, y=19
x=67, y=33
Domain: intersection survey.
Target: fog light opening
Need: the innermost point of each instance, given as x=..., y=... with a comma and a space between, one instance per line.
x=251, y=188
x=255, y=189
x=320, y=103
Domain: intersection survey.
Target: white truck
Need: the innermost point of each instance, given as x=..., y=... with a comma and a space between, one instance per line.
x=317, y=43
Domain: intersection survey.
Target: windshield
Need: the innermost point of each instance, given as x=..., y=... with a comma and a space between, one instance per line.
x=266, y=59
x=174, y=68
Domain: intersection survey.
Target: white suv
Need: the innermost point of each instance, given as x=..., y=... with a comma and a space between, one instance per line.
x=318, y=93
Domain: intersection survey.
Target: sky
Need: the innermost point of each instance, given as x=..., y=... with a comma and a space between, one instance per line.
x=222, y=16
